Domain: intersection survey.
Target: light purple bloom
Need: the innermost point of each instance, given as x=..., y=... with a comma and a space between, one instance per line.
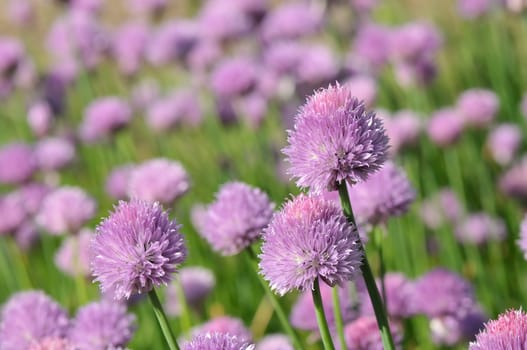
x=364, y=88
x=442, y=207
x=32, y=196
x=508, y=332
x=445, y=126
x=317, y=65
x=29, y=317
x=40, y=118
x=26, y=235
x=117, y=181
x=172, y=41
x=363, y=6
x=283, y=56
x=136, y=249
x=104, y=117
x=17, y=163
x=503, y=142
x=334, y=140
x=363, y=334
x=478, y=106
x=203, y=55
x=73, y=256
x=149, y=7
x=13, y=212
x=480, y=228
x=129, y=46
x=52, y=343
x=234, y=77
x=54, y=153
x=253, y=108
x=196, y=282
x=11, y=56
x=274, y=342
x=414, y=41
x=371, y=47
x=451, y=329
x=144, y=93
x=92, y=7
x=222, y=20
x=403, y=129
x=386, y=193
x=65, y=210
x=215, y=341
x=236, y=218
x=101, y=326
x=473, y=8
x=419, y=72
x=308, y=239
x=21, y=12
x=513, y=182
x=291, y=21
x=158, y=179
x=179, y=107
x=224, y=325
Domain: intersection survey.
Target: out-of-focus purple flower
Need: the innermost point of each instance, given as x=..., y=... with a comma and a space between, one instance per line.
x=104, y=117
x=522, y=242
x=222, y=20
x=291, y=21
x=54, y=153
x=21, y=12
x=13, y=212
x=445, y=126
x=32, y=196
x=442, y=292
x=225, y=111
x=444, y=206
x=215, y=341
x=415, y=40
x=65, y=210
x=17, y=163
x=149, y=7
x=283, y=56
x=52, y=343
x=309, y=239
x=503, y=142
x=371, y=47
x=403, y=129
x=480, y=228
x=508, y=332
x=473, y=8
x=363, y=334
x=303, y=312
x=253, y=108
x=101, y=326
x=11, y=56
x=26, y=235
x=78, y=36
x=236, y=218
x=274, y=342
x=384, y=194
x=29, y=317
x=224, y=325
x=203, y=55
x=179, y=107
x=54, y=84
x=136, y=249
x=92, y=7
x=117, y=181
x=449, y=330
x=73, y=256
x=234, y=77
x=40, y=118
x=158, y=179
x=419, y=72
x=334, y=140
x=255, y=9
x=144, y=93
x=399, y=293
x=317, y=65
x=197, y=283
x=513, y=182
x=129, y=46
x=364, y=88
x=478, y=106
x=363, y=6
x=172, y=41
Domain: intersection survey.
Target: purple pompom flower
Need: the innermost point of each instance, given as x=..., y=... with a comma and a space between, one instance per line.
x=30, y=317
x=403, y=129
x=364, y=88
x=309, y=238
x=236, y=218
x=480, y=228
x=180, y=107
x=478, y=106
x=371, y=48
x=136, y=249
x=13, y=212
x=274, y=342
x=503, y=142
x=197, y=283
x=452, y=329
x=283, y=56
x=104, y=117
x=224, y=325
x=363, y=6
x=40, y=118
x=222, y=20
x=414, y=41
x=473, y=8
x=513, y=183
x=445, y=126
x=102, y=325
x=33, y=195
x=215, y=341
x=508, y=332
x=17, y=163
x=384, y=194
x=172, y=41
x=159, y=179
x=442, y=207
x=149, y=7
x=334, y=140
x=73, y=256
x=65, y=210
x=117, y=181
x=317, y=65
x=363, y=334
x=234, y=77
x=54, y=153
x=129, y=46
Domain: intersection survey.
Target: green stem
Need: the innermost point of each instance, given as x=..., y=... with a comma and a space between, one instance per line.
x=163, y=321
x=376, y=301
x=337, y=312
x=276, y=304
x=321, y=317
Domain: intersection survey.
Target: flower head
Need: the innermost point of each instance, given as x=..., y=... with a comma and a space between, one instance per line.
x=129, y=46
x=236, y=218
x=197, y=283
x=478, y=106
x=136, y=249
x=473, y=8
x=13, y=212
x=103, y=117
x=503, y=142
x=480, y=228
x=224, y=325
x=508, y=332
x=363, y=334
x=158, y=179
x=514, y=181
x=30, y=317
x=234, y=77
x=54, y=153
x=73, y=256
x=334, y=140
x=215, y=341
x=102, y=325
x=308, y=239
x=17, y=163
x=445, y=126
x=52, y=343
x=274, y=342
x=117, y=181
